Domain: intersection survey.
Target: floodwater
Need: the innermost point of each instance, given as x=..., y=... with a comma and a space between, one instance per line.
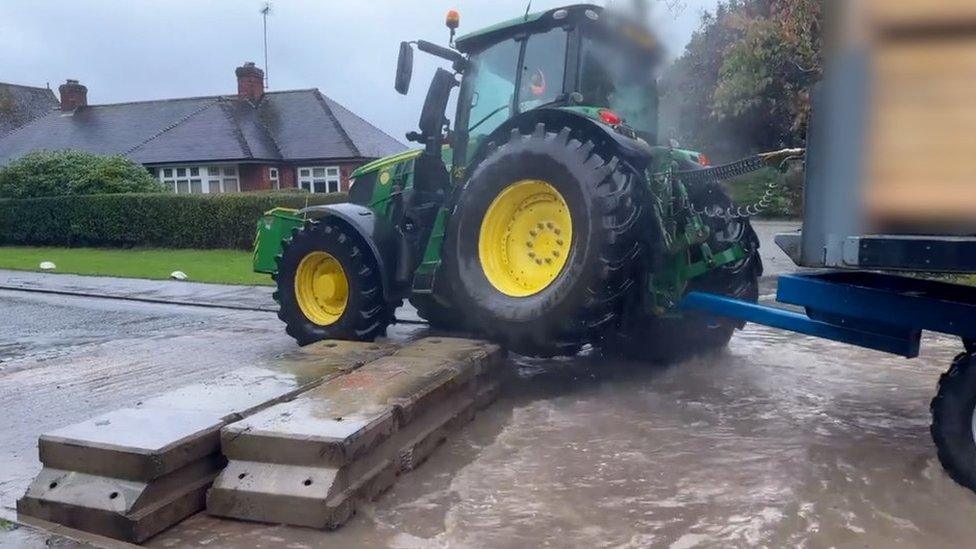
x=782, y=440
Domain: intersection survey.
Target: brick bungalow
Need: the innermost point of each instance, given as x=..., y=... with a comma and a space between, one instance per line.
x=255, y=140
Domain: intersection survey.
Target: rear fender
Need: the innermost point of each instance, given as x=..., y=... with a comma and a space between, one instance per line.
x=379, y=236
x=583, y=128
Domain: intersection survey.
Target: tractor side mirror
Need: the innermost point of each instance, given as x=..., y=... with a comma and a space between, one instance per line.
x=432, y=115
x=404, y=71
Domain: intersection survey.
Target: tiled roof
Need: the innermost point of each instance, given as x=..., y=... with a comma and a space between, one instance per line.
x=286, y=125
x=21, y=104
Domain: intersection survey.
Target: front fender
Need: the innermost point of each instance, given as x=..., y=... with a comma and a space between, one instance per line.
x=379, y=236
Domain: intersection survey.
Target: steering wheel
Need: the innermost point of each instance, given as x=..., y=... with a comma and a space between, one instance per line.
x=485, y=119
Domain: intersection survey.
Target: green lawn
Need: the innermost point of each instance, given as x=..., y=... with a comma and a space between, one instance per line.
x=221, y=266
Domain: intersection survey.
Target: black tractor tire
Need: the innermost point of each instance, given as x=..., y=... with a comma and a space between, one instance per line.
x=585, y=298
x=366, y=314
x=438, y=315
x=952, y=420
x=669, y=339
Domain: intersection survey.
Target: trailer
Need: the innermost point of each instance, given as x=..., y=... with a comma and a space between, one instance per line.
x=889, y=199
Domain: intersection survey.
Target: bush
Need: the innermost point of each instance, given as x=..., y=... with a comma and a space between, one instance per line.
x=62, y=173
x=787, y=198
x=158, y=220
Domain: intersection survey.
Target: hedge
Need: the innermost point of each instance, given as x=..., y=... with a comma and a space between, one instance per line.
x=157, y=220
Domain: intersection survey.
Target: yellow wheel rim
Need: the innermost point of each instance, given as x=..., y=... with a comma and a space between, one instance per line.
x=321, y=288
x=525, y=239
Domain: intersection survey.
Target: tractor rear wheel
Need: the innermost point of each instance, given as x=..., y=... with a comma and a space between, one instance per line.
x=542, y=242
x=329, y=286
x=668, y=339
x=954, y=422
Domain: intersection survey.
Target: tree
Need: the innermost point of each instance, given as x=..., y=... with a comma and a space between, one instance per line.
x=743, y=83
x=60, y=173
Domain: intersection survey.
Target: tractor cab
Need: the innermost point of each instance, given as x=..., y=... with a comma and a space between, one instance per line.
x=578, y=58
x=581, y=60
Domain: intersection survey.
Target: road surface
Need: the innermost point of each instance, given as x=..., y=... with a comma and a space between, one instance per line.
x=782, y=440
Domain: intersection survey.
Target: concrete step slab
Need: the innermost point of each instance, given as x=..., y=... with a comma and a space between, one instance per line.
x=160, y=455
x=314, y=460
x=326, y=496
x=337, y=422
x=308, y=431
x=132, y=443
x=455, y=348
x=120, y=509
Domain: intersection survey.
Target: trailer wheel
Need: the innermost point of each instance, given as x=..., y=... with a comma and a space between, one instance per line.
x=542, y=243
x=329, y=286
x=953, y=420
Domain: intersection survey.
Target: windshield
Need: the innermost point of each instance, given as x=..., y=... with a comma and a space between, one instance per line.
x=543, y=67
x=621, y=77
x=495, y=71
x=492, y=79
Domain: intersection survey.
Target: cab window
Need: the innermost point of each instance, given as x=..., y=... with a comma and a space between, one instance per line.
x=543, y=69
x=494, y=71
x=616, y=74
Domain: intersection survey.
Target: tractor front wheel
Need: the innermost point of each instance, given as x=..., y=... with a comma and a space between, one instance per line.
x=329, y=286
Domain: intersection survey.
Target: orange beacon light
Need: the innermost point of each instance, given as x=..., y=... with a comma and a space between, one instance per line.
x=453, y=19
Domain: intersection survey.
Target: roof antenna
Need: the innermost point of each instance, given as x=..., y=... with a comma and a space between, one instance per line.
x=265, y=12
x=527, y=8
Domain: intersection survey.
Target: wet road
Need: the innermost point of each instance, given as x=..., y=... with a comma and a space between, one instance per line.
x=64, y=359
x=781, y=440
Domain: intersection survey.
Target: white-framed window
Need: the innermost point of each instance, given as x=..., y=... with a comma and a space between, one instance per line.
x=201, y=179
x=223, y=179
x=320, y=179
x=273, y=177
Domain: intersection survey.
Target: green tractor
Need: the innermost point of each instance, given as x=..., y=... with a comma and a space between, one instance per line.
x=545, y=218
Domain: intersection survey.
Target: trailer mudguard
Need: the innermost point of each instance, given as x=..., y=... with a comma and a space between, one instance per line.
x=379, y=236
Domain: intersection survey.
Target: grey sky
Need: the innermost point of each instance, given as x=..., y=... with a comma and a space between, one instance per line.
x=132, y=50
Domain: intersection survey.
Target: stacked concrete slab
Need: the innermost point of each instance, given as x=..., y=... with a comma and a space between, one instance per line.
x=312, y=461
x=131, y=473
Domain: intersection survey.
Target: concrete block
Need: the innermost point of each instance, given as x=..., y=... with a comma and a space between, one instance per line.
x=484, y=354
x=129, y=510
x=132, y=443
x=131, y=473
x=323, y=496
x=308, y=431
x=313, y=461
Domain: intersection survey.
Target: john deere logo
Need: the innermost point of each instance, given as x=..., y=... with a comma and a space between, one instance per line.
x=384, y=178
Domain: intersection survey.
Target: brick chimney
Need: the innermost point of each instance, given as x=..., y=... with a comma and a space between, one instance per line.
x=250, y=82
x=73, y=95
